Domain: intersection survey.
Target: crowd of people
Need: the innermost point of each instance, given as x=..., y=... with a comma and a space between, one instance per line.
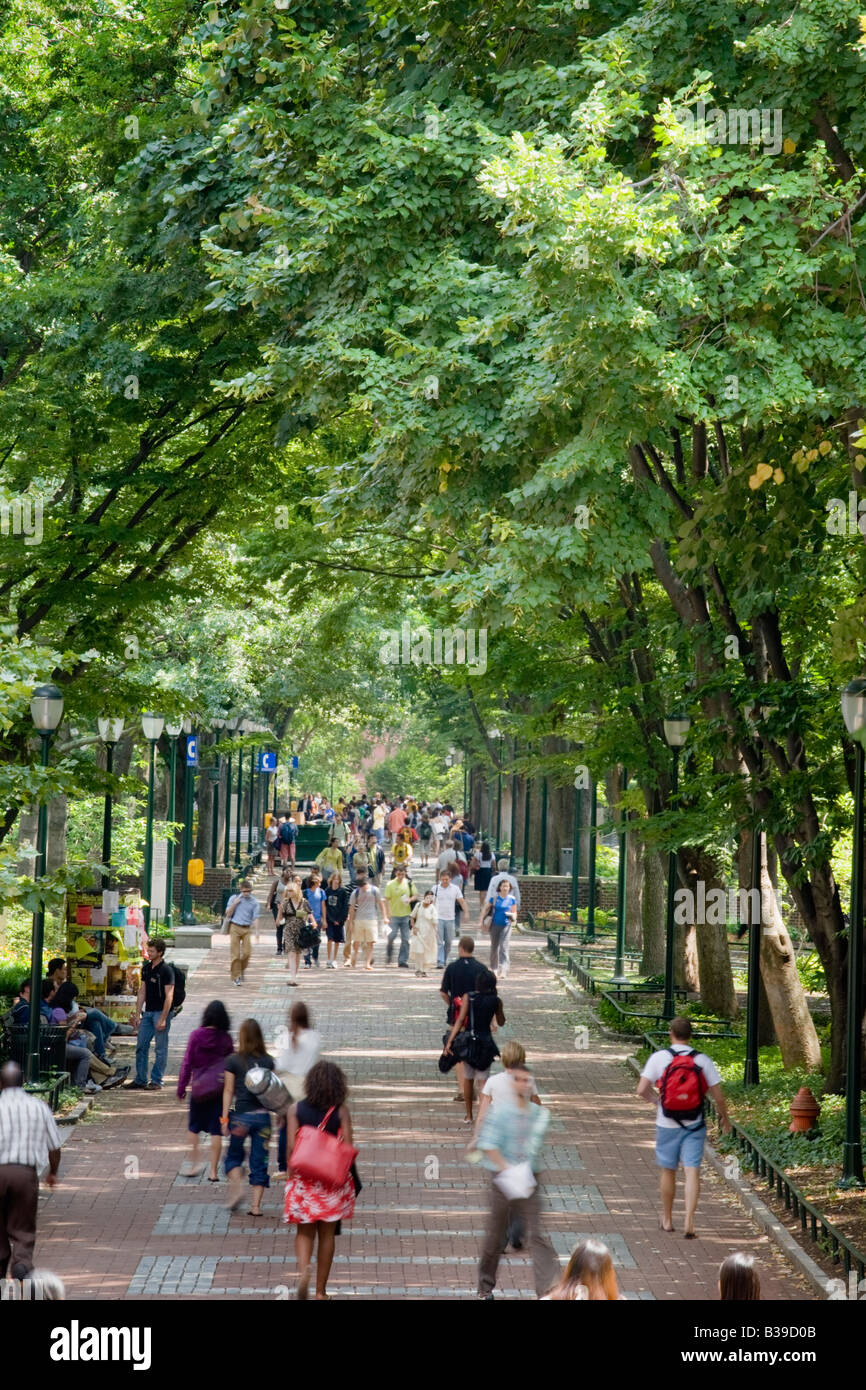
x=241, y=1090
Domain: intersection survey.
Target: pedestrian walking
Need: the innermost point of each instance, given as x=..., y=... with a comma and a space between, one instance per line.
x=376, y=858
x=272, y=838
x=496, y=1090
x=511, y=1143
x=244, y=1118
x=425, y=839
x=480, y=1008
x=296, y=915
x=152, y=1018
x=288, y=833
x=588, y=1277
x=739, y=1281
x=317, y=1209
x=274, y=902
x=447, y=897
x=502, y=872
x=299, y=1050
x=330, y=859
x=504, y=915
x=458, y=980
x=311, y=934
x=241, y=912
x=422, y=946
x=335, y=912
x=29, y=1142
x=203, y=1071
x=365, y=910
x=400, y=897
x=683, y=1077
x=402, y=855
x=481, y=867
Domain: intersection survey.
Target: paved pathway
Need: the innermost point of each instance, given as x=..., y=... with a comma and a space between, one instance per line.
x=122, y=1224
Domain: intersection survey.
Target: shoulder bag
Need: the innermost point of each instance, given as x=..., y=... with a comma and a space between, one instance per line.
x=322, y=1157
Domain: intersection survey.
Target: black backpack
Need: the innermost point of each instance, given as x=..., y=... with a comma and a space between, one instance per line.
x=179, y=989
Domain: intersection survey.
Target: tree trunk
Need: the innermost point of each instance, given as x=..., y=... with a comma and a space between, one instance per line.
x=55, y=850
x=654, y=915
x=714, y=957
x=634, y=897
x=686, y=972
x=798, y=1041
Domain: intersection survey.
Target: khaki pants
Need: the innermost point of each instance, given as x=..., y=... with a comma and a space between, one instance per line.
x=348, y=932
x=239, y=950
x=545, y=1265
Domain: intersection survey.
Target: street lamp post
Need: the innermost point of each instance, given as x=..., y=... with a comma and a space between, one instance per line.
x=46, y=711
x=542, y=868
x=187, y=916
x=619, y=976
x=227, y=855
x=219, y=725
x=593, y=845
x=110, y=731
x=254, y=793
x=152, y=725
x=240, y=725
x=854, y=714
x=174, y=731
x=526, y=821
x=575, y=851
x=511, y=854
x=676, y=728
x=493, y=735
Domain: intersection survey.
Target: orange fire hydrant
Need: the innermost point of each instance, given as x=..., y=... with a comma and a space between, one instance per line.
x=804, y=1111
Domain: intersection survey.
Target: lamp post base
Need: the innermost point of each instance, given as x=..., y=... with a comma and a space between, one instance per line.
x=619, y=980
x=850, y=1184
x=187, y=919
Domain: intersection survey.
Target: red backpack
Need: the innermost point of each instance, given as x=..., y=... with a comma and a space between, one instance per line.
x=682, y=1088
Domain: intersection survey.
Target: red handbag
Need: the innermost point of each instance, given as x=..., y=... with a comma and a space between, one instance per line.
x=320, y=1156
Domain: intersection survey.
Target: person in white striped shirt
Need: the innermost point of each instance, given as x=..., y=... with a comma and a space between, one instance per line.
x=28, y=1141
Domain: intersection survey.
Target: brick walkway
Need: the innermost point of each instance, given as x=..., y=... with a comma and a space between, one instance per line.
x=122, y=1224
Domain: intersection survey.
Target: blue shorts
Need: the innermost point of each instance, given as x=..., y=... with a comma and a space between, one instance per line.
x=675, y=1146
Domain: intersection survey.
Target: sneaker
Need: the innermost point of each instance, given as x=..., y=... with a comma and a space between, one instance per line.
x=329, y=965
x=154, y=1085
x=401, y=966
x=90, y=1088
x=120, y=1075
x=135, y=1086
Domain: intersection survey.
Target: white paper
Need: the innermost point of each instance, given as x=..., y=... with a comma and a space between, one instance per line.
x=516, y=1182
x=110, y=899
x=97, y=975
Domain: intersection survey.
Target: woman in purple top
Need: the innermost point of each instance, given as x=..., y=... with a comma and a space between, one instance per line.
x=204, y=1066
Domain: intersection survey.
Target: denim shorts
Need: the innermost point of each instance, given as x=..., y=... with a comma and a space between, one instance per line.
x=675, y=1146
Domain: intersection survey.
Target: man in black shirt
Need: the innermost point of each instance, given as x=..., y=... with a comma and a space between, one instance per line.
x=153, y=1021
x=459, y=979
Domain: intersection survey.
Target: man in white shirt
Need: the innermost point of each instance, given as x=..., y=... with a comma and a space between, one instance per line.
x=447, y=897
x=28, y=1141
x=680, y=1131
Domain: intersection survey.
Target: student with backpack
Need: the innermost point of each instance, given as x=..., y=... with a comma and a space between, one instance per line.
x=288, y=833
x=153, y=1014
x=682, y=1078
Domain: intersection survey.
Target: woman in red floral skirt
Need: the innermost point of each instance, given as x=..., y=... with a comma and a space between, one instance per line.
x=311, y=1206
